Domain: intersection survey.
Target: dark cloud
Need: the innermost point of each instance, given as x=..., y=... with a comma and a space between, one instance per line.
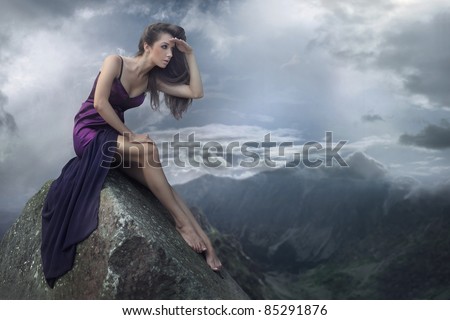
x=6, y=220
x=420, y=53
x=248, y=77
x=4, y=58
x=3, y=100
x=432, y=137
x=7, y=121
x=30, y=11
x=371, y=118
x=5, y=41
x=411, y=46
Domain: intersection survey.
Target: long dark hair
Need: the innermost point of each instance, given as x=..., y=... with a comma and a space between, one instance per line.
x=176, y=72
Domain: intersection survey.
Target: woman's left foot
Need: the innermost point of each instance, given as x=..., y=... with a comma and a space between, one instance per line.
x=212, y=260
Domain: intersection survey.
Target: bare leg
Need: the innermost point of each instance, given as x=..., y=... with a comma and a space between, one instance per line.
x=144, y=166
x=211, y=257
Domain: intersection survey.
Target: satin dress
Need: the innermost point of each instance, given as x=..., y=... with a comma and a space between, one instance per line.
x=70, y=211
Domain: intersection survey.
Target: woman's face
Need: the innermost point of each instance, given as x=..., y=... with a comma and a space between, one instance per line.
x=161, y=51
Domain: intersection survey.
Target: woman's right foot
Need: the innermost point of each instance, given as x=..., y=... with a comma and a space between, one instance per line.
x=192, y=238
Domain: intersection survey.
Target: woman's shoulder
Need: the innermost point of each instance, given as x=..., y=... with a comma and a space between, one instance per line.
x=113, y=59
x=112, y=64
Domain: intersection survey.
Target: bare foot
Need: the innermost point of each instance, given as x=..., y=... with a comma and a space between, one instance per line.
x=192, y=238
x=212, y=260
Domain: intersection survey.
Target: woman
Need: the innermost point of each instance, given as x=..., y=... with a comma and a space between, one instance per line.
x=165, y=63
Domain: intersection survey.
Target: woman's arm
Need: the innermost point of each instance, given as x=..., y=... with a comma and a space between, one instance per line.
x=194, y=90
x=109, y=71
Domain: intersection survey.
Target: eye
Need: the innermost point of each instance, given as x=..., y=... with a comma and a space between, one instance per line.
x=164, y=46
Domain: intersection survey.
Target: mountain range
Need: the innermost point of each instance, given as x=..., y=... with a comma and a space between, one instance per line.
x=335, y=233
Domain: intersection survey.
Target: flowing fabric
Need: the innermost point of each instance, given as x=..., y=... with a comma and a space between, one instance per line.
x=70, y=211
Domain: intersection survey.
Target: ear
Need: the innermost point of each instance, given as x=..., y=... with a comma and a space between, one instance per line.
x=147, y=47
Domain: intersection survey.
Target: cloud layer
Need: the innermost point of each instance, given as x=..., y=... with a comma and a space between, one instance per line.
x=375, y=74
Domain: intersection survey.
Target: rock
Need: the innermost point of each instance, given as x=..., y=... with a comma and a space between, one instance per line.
x=135, y=253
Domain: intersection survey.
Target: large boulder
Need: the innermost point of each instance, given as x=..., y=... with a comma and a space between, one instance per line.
x=135, y=253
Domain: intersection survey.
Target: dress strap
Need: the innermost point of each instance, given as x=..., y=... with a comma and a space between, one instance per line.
x=121, y=67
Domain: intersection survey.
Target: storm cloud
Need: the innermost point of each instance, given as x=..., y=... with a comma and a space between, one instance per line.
x=407, y=51
x=295, y=69
x=432, y=136
x=371, y=118
x=7, y=122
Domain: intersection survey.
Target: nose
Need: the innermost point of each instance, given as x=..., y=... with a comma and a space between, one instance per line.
x=169, y=53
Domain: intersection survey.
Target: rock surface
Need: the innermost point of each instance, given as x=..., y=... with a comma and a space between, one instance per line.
x=135, y=253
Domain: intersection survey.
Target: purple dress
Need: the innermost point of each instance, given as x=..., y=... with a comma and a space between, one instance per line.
x=70, y=211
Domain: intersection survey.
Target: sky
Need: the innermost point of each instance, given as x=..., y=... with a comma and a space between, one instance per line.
x=372, y=73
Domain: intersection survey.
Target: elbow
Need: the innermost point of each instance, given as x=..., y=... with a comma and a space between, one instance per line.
x=197, y=95
x=98, y=105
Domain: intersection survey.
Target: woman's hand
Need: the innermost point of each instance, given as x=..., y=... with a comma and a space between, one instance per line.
x=182, y=45
x=140, y=138
x=193, y=90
